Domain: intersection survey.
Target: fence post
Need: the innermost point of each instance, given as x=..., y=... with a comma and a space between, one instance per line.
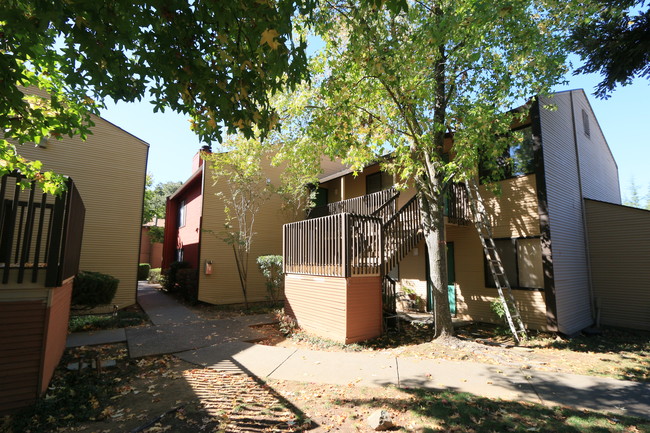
x=345, y=255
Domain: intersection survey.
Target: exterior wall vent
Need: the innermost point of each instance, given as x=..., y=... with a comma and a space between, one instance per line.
x=585, y=122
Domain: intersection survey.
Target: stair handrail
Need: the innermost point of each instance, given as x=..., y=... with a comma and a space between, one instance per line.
x=392, y=199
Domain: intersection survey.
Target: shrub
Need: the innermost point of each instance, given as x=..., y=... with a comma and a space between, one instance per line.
x=155, y=276
x=91, y=289
x=170, y=283
x=271, y=268
x=143, y=271
x=187, y=282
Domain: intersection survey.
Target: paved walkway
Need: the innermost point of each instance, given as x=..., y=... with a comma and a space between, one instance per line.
x=222, y=344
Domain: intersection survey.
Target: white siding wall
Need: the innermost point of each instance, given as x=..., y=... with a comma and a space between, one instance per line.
x=565, y=215
x=598, y=170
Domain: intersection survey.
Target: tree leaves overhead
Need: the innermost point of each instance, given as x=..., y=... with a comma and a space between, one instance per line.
x=217, y=62
x=615, y=42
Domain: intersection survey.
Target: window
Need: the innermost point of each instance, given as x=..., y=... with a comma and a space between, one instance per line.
x=522, y=261
x=179, y=255
x=517, y=160
x=585, y=123
x=182, y=211
x=378, y=181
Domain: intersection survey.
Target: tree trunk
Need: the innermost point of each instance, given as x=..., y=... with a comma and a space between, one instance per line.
x=433, y=224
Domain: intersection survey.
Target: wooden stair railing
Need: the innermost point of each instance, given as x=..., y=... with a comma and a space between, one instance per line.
x=401, y=233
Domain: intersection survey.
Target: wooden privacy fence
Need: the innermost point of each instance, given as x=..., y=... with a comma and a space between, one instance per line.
x=39, y=232
x=364, y=205
x=340, y=245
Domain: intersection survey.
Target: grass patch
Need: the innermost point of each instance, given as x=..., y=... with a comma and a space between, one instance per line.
x=461, y=412
x=96, y=322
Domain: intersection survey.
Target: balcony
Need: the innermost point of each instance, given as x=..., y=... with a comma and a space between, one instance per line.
x=40, y=234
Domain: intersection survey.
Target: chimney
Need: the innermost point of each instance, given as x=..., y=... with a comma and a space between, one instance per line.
x=197, y=161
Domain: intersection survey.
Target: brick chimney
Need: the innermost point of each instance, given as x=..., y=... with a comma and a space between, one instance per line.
x=197, y=161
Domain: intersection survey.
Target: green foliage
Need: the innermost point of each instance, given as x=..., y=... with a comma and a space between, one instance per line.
x=155, y=276
x=496, y=306
x=156, y=234
x=399, y=80
x=143, y=271
x=91, y=289
x=215, y=62
x=181, y=279
x=614, y=41
x=95, y=322
x=243, y=189
x=271, y=268
x=155, y=199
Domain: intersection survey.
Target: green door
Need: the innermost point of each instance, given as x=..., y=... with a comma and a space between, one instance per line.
x=451, y=277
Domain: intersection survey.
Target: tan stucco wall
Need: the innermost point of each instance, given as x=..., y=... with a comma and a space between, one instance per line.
x=109, y=171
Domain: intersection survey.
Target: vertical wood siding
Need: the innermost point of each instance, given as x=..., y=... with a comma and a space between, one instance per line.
x=109, y=171
x=566, y=227
x=619, y=249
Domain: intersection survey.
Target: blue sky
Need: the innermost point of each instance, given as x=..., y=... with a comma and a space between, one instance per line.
x=624, y=119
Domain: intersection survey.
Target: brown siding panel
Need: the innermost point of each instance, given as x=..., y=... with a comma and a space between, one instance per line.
x=341, y=309
x=24, y=362
x=619, y=249
x=56, y=331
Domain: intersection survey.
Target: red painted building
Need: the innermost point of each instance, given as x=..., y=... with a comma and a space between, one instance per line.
x=183, y=219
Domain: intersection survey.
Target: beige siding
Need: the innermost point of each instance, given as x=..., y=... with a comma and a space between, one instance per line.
x=619, y=249
x=513, y=210
x=341, y=309
x=473, y=298
x=566, y=226
x=318, y=304
x=109, y=170
x=222, y=286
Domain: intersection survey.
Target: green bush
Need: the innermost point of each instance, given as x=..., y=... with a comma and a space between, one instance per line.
x=171, y=284
x=155, y=276
x=187, y=281
x=143, y=271
x=271, y=268
x=91, y=289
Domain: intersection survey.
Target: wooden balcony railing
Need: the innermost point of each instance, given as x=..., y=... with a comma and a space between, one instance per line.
x=340, y=245
x=364, y=205
x=39, y=232
x=457, y=209
x=402, y=233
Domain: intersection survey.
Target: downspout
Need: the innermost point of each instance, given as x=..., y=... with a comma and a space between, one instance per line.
x=583, y=212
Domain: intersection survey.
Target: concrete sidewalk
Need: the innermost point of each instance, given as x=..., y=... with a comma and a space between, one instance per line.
x=222, y=344
x=377, y=369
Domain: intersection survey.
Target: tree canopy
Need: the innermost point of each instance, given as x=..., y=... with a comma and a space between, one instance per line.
x=615, y=41
x=402, y=81
x=155, y=198
x=217, y=62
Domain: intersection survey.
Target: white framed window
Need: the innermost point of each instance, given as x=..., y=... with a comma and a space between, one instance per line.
x=182, y=212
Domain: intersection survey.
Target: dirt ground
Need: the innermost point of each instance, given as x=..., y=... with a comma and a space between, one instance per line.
x=543, y=352
x=164, y=394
